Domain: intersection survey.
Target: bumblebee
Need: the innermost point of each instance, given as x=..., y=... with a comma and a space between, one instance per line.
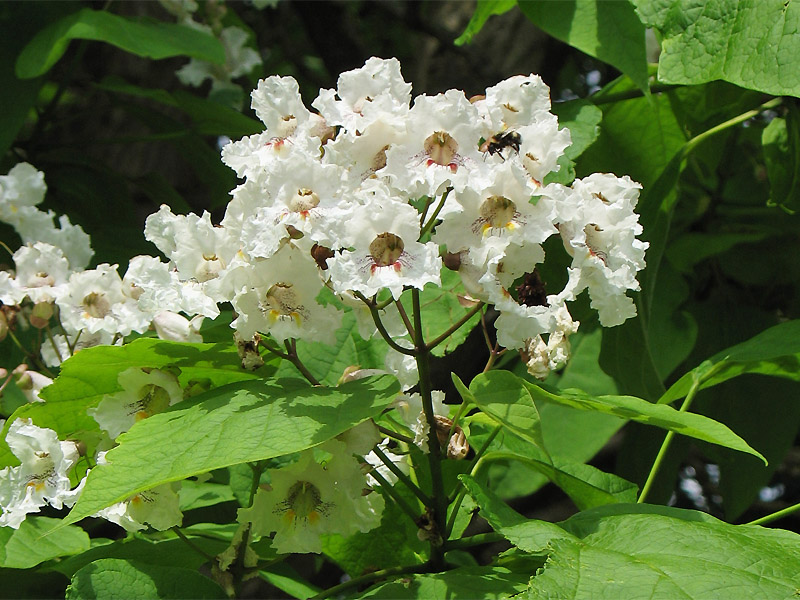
x=499, y=142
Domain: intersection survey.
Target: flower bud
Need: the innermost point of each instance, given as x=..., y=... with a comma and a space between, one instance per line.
x=40, y=315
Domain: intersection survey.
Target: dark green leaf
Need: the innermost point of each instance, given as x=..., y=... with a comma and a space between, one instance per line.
x=775, y=352
x=781, y=141
x=148, y=39
x=112, y=579
x=30, y=545
x=610, y=31
x=483, y=10
x=487, y=583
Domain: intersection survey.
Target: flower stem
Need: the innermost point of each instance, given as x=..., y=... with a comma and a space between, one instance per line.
x=191, y=544
x=401, y=309
x=402, y=477
x=453, y=328
x=422, y=355
x=662, y=452
x=376, y=318
x=701, y=137
x=375, y=575
x=393, y=434
x=475, y=540
x=389, y=489
x=432, y=221
x=291, y=356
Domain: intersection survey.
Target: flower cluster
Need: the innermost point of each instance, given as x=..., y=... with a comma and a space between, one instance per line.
x=362, y=199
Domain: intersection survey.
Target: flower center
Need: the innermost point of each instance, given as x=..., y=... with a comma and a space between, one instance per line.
x=441, y=149
x=496, y=212
x=287, y=126
x=209, y=268
x=304, y=502
x=96, y=305
x=282, y=303
x=154, y=400
x=386, y=250
x=303, y=201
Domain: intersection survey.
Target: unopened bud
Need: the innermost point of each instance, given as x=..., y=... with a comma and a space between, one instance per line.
x=355, y=372
x=40, y=315
x=458, y=446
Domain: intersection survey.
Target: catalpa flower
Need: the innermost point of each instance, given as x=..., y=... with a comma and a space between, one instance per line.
x=385, y=252
x=158, y=507
x=145, y=392
x=307, y=500
x=280, y=299
x=41, y=478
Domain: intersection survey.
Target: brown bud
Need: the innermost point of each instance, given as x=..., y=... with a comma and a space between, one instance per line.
x=452, y=260
x=3, y=326
x=458, y=446
x=321, y=254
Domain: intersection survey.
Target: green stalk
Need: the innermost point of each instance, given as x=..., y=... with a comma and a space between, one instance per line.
x=369, y=577
x=776, y=515
x=662, y=452
x=453, y=328
x=475, y=540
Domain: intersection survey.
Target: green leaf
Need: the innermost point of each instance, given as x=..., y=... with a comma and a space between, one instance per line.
x=197, y=495
x=92, y=373
x=112, y=579
x=483, y=10
x=582, y=118
x=504, y=398
x=148, y=39
x=286, y=579
x=636, y=409
x=488, y=583
x=174, y=551
x=609, y=31
x=30, y=545
x=527, y=534
x=775, y=352
x=667, y=556
x=242, y=422
x=781, y=142
x=691, y=248
x=209, y=118
x=751, y=44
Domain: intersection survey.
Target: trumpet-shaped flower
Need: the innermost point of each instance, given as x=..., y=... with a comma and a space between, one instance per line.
x=41, y=478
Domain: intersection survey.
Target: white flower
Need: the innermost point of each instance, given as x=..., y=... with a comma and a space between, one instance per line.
x=365, y=95
x=41, y=270
x=490, y=218
x=41, y=478
x=280, y=299
x=386, y=254
x=23, y=186
x=239, y=60
x=403, y=366
x=199, y=250
x=300, y=195
x=158, y=507
x=440, y=148
x=599, y=229
x=544, y=357
x=30, y=383
x=145, y=392
x=95, y=301
x=515, y=102
x=307, y=500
